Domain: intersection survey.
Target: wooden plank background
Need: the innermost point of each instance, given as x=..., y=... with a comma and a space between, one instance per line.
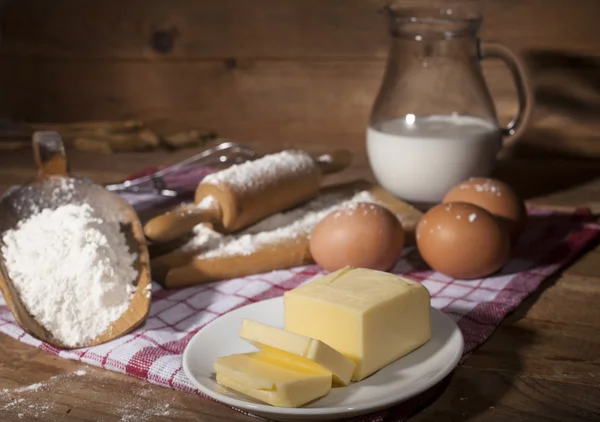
x=267, y=70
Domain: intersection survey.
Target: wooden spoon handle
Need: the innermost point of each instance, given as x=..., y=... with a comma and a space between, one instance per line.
x=180, y=221
x=334, y=161
x=49, y=154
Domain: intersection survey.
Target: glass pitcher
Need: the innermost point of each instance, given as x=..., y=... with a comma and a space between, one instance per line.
x=433, y=123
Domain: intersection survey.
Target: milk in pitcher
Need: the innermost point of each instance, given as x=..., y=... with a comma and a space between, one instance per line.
x=419, y=159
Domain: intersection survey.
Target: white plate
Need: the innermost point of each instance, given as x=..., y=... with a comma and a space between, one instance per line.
x=400, y=380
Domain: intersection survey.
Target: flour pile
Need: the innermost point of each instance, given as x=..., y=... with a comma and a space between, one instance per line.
x=72, y=269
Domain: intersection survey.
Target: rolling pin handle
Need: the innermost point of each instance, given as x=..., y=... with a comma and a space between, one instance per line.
x=180, y=221
x=334, y=161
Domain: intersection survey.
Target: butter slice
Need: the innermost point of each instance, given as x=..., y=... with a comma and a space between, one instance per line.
x=372, y=317
x=257, y=375
x=296, y=350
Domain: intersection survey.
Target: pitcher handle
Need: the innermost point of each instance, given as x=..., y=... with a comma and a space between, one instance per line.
x=525, y=94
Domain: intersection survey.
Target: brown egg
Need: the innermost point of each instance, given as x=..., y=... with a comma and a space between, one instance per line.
x=361, y=235
x=494, y=196
x=462, y=240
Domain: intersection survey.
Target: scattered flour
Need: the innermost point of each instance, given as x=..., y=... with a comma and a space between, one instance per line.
x=30, y=401
x=488, y=186
x=33, y=401
x=32, y=387
x=293, y=224
x=133, y=412
x=352, y=208
x=73, y=271
x=249, y=175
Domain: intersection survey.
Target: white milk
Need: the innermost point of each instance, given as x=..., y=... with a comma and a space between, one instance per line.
x=420, y=159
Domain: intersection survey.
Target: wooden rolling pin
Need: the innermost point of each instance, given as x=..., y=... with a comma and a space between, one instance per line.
x=183, y=268
x=243, y=194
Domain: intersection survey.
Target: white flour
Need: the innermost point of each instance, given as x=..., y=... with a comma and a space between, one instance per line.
x=38, y=401
x=353, y=208
x=30, y=401
x=487, y=186
x=296, y=223
x=72, y=270
x=251, y=174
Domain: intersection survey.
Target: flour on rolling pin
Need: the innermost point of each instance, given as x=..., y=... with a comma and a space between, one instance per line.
x=296, y=223
x=252, y=174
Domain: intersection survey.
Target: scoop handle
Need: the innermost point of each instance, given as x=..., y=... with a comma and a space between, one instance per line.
x=49, y=154
x=334, y=161
x=180, y=221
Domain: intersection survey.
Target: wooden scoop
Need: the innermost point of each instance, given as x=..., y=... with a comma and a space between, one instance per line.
x=44, y=191
x=230, y=211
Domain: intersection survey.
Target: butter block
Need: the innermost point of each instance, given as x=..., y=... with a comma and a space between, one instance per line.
x=372, y=317
x=259, y=376
x=296, y=350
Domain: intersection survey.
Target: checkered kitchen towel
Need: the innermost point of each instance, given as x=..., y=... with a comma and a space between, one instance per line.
x=154, y=351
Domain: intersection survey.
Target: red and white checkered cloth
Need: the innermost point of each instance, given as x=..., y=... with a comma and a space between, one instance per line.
x=154, y=351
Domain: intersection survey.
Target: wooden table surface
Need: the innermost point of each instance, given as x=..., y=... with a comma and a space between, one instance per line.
x=543, y=362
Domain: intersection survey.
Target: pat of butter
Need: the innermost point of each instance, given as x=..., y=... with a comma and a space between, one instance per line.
x=261, y=377
x=372, y=317
x=296, y=350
